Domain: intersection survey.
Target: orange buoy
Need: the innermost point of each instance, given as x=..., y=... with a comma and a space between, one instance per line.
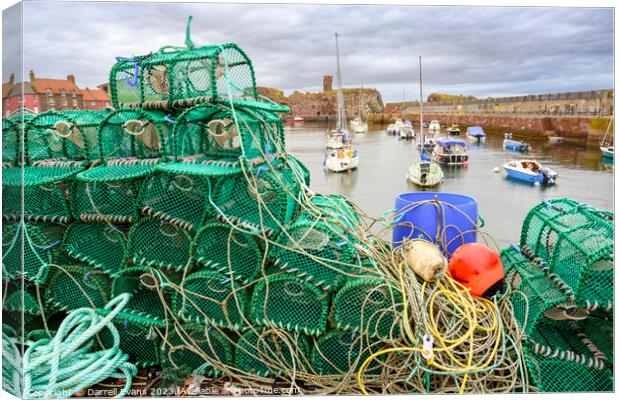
x=478, y=268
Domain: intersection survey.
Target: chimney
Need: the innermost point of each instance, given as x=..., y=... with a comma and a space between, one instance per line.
x=327, y=83
x=32, y=77
x=71, y=78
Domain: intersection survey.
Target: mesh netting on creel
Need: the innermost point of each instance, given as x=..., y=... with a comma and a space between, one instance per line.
x=70, y=287
x=182, y=77
x=195, y=349
x=28, y=248
x=63, y=136
x=132, y=143
x=291, y=303
x=271, y=352
x=100, y=244
x=209, y=297
x=12, y=135
x=228, y=251
x=559, y=360
x=154, y=242
x=576, y=241
x=317, y=251
x=370, y=306
x=541, y=295
x=339, y=353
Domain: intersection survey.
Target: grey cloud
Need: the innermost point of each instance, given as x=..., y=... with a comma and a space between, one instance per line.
x=483, y=51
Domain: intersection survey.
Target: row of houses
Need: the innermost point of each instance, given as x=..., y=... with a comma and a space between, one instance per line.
x=43, y=94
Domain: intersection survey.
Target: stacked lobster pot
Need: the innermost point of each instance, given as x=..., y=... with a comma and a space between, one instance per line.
x=563, y=269
x=42, y=155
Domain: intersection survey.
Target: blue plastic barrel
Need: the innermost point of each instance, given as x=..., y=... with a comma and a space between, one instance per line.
x=455, y=215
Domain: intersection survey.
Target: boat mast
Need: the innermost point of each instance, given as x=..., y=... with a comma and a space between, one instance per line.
x=421, y=120
x=342, y=119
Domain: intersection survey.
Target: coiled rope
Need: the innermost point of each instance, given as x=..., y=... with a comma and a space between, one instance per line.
x=65, y=364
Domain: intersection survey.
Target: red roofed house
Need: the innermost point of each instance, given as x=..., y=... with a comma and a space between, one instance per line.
x=57, y=94
x=16, y=96
x=96, y=99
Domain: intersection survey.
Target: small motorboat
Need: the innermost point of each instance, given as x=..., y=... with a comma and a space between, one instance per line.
x=451, y=152
x=295, y=120
x=406, y=132
x=556, y=139
x=608, y=152
x=515, y=145
x=340, y=160
x=530, y=171
x=434, y=126
x=476, y=134
x=358, y=125
x=454, y=130
x=394, y=129
x=425, y=174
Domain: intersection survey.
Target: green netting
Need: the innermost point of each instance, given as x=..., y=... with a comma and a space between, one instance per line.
x=150, y=289
x=140, y=337
x=109, y=193
x=99, y=244
x=339, y=353
x=230, y=252
x=558, y=360
x=45, y=193
x=70, y=287
x=12, y=134
x=36, y=246
x=265, y=353
x=577, y=243
x=179, y=192
x=601, y=332
x=215, y=131
x=130, y=133
x=211, y=298
x=59, y=136
x=183, y=77
x=154, y=242
x=287, y=302
x=335, y=209
x=21, y=297
x=542, y=295
x=369, y=306
x=194, y=349
x=317, y=251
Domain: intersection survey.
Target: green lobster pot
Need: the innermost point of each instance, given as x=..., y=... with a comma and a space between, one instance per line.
x=12, y=134
x=287, y=302
x=158, y=243
x=147, y=286
x=140, y=337
x=543, y=295
x=576, y=241
x=196, y=350
x=369, y=306
x=228, y=251
x=76, y=286
x=271, y=353
x=317, y=251
x=131, y=144
x=99, y=244
x=211, y=298
x=180, y=78
x=41, y=246
x=340, y=353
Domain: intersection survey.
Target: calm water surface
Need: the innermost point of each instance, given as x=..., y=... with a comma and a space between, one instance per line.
x=503, y=203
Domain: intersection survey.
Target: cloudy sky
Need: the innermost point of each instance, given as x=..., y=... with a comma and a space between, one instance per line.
x=480, y=51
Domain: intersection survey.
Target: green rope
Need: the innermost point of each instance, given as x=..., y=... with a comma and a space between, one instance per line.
x=188, y=40
x=63, y=365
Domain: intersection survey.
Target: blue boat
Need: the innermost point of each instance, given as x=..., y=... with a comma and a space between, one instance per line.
x=530, y=171
x=476, y=134
x=515, y=145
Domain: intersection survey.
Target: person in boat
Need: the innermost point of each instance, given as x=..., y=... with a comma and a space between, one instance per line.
x=532, y=167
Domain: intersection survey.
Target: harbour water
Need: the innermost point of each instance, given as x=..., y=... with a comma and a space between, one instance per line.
x=583, y=175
